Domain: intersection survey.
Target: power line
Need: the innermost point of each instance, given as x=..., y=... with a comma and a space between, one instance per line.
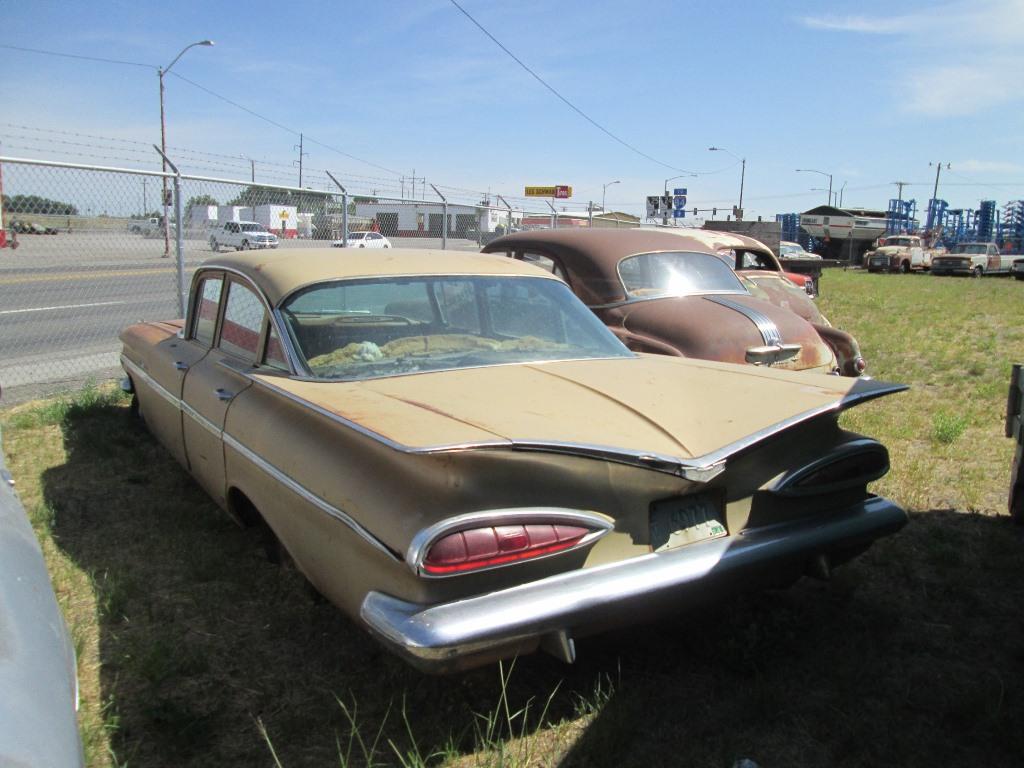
x=79, y=56
x=562, y=98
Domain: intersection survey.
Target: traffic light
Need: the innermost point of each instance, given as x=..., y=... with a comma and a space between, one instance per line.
x=714, y=212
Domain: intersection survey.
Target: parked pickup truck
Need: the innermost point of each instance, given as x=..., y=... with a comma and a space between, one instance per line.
x=975, y=259
x=898, y=253
x=151, y=227
x=1017, y=268
x=241, y=235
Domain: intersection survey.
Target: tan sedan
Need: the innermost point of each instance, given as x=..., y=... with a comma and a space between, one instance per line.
x=458, y=454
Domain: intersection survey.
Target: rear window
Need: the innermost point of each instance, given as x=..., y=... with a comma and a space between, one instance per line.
x=360, y=329
x=676, y=273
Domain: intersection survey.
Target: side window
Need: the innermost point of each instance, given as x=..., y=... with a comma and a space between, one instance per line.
x=243, y=322
x=205, y=311
x=544, y=262
x=274, y=354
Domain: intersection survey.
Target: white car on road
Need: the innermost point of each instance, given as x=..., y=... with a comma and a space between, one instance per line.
x=363, y=240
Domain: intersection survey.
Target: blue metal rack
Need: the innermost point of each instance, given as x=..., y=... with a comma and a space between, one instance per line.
x=901, y=217
x=986, y=221
x=1011, y=229
x=791, y=231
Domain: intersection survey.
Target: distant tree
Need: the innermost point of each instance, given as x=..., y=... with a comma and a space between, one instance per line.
x=201, y=200
x=36, y=204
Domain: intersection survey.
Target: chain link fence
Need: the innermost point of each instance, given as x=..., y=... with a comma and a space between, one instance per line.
x=86, y=250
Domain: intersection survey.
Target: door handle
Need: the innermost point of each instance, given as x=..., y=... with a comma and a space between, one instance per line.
x=179, y=365
x=223, y=395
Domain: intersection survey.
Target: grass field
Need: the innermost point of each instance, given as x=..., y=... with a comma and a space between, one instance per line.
x=195, y=651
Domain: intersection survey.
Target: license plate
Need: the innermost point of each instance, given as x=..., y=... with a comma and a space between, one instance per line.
x=685, y=520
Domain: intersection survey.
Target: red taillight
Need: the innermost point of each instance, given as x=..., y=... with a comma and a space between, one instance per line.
x=478, y=548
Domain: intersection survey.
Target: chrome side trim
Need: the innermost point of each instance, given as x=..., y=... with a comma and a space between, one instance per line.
x=765, y=325
x=307, y=495
x=201, y=420
x=462, y=633
x=426, y=537
x=136, y=371
x=264, y=465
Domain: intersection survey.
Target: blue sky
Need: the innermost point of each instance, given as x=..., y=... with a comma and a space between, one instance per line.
x=858, y=90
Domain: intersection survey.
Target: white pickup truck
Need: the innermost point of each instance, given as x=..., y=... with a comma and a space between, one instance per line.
x=898, y=253
x=241, y=235
x=149, y=227
x=975, y=259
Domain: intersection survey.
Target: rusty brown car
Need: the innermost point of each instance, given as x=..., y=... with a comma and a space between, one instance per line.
x=674, y=295
x=463, y=458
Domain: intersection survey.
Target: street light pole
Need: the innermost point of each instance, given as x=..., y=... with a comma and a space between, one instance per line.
x=743, y=175
x=160, y=72
x=604, y=188
x=811, y=170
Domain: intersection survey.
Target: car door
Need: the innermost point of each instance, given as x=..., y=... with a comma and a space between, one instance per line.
x=159, y=387
x=215, y=381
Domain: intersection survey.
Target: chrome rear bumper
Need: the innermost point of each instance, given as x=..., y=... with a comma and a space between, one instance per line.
x=477, y=630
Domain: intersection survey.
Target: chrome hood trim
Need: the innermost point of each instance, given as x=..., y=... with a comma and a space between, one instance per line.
x=765, y=325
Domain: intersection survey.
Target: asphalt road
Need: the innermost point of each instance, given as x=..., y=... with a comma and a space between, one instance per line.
x=64, y=298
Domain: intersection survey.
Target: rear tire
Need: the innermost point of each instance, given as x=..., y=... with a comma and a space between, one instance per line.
x=214, y=245
x=245, y=245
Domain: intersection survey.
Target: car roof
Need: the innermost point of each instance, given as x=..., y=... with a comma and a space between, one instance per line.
x=280, y=272
x=592, y=256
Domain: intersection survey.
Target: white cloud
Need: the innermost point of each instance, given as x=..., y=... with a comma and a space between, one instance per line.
x=873, y=26
x=974, y=42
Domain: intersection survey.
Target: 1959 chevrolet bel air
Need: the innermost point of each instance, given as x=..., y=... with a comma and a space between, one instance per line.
x=456, y=452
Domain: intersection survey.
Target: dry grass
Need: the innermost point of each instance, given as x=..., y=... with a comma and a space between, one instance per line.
x=195, y=651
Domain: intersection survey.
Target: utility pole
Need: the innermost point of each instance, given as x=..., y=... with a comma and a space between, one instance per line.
x=938, y=170
x=252, y=164
x=145, y=209
x=301, y=153
x=901, y=185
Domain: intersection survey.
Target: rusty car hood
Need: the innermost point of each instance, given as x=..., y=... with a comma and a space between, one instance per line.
x=656, y=404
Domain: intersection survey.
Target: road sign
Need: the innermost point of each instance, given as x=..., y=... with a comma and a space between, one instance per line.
x=653, y=206
x=679, y=201
x=679, y=191
x=283, y=215
x=678, y=213
x=560, y=191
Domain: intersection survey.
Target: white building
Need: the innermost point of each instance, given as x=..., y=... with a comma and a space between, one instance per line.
x=411, y=219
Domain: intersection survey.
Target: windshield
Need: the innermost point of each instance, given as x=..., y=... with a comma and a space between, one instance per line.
x=975, y=248
x=359, y=329
x=900, y=241
x=252, y=228
x=790, y=249
x=676, y=273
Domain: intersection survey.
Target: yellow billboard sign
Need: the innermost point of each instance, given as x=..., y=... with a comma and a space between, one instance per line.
x=561, y=191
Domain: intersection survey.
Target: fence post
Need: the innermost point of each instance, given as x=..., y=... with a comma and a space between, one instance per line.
x=590, y=214
x=444, y=218
x=179, y=229
x=554, y=214
x=344, y=210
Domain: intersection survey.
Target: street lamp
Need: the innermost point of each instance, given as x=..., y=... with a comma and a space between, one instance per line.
x=160, y=72
x=743, y=174
x=811, y=170
x=841, y=190
x=604, y=188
